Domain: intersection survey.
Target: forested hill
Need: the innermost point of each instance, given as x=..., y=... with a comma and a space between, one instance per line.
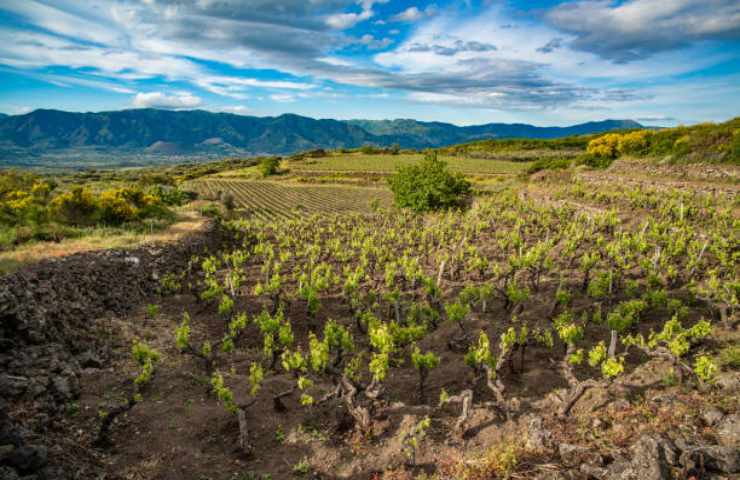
x=183, y=132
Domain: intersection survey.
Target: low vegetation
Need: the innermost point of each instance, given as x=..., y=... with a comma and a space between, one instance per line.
x=709, y=142
x=35, y=208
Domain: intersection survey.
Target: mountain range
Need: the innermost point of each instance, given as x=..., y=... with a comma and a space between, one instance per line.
x=167, y=132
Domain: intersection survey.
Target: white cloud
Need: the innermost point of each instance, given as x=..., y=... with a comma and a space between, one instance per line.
x=411, y=14
x=176, y=101
x=375, y=44
x=637, y=29
x=283, y=97
x=342, y=21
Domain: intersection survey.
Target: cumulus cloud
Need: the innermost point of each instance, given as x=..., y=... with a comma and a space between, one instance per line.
x=176, y=101
x=413, y=14
x=636, y=29
x=373, y=43
x=342, y=21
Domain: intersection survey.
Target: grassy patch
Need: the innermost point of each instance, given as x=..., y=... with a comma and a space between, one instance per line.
x=359, y=162
x=101, y=238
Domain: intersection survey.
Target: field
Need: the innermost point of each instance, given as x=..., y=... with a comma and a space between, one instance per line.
x=577, y=323
x=265, y=200
x=332, y=337
x=358, y=162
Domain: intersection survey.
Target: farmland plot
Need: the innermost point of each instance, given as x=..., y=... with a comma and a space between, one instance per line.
x=268, y=200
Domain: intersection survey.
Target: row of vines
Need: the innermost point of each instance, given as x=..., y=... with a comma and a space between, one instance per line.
x=271, y=200
x=492, y=290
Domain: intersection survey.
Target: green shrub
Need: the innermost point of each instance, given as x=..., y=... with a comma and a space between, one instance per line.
x=229, y=201
x=428, y=186
x=730, y=357
x=211, y=210
x=76, y=207
x=594, y=161
x=549, y=164
x=269, y=166
x=368, y=149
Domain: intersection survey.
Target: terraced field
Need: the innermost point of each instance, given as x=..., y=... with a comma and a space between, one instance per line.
x=356, y=162
x=268, y=200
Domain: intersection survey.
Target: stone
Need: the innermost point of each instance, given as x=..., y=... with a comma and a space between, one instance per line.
x=537, y=436
x=5, y=450
x=28, y=459
x=728, y=431
x=89, y=360
x=13, y=386
x=594, y=399
x=593, y=471
x=574, y=455
x=652, y=458
x=711, y=416
x=617, y=406
x=65, y=387
x=728, y=381
x=7, y=473
x=714, y=458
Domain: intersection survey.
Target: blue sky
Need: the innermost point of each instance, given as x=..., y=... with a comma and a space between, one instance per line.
x=544, y=62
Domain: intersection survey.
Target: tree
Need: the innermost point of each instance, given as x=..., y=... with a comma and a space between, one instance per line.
x=269, y=166
x=428, y=186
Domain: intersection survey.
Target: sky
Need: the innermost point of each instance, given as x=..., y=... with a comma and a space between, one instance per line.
x=544, y=62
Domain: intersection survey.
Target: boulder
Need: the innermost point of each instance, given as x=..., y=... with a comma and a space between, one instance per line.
x=728, y=381
x=728, y=431
x=27, y=459
x=88, y=359
x=714, y=458
x=7, y=473
x=538, y=437
x=652, y=458
x=12, y=385
x=712, y=416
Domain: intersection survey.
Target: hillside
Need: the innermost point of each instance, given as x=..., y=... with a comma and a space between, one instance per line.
x=166, y=133
x=443, y=134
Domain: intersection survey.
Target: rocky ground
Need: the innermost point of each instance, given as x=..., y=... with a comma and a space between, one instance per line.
x=53, y=327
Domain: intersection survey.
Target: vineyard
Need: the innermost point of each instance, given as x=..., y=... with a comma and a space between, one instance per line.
x=542, y=331
x=357, y=162
x=269, y=200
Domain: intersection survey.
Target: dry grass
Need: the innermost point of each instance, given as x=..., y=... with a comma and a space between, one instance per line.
x=188, y=221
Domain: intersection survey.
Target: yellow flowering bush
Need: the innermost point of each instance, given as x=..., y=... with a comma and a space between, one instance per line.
x=634, y=142
x=76, y=207
x=115, y=208
x=604, y=146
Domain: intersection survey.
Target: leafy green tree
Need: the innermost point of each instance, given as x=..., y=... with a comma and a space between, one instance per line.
x=428, y=186
x=269, y=166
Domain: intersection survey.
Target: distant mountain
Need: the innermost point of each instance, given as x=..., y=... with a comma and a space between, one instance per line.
x=441, y=134
x=3, y=115
x=166, y=132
